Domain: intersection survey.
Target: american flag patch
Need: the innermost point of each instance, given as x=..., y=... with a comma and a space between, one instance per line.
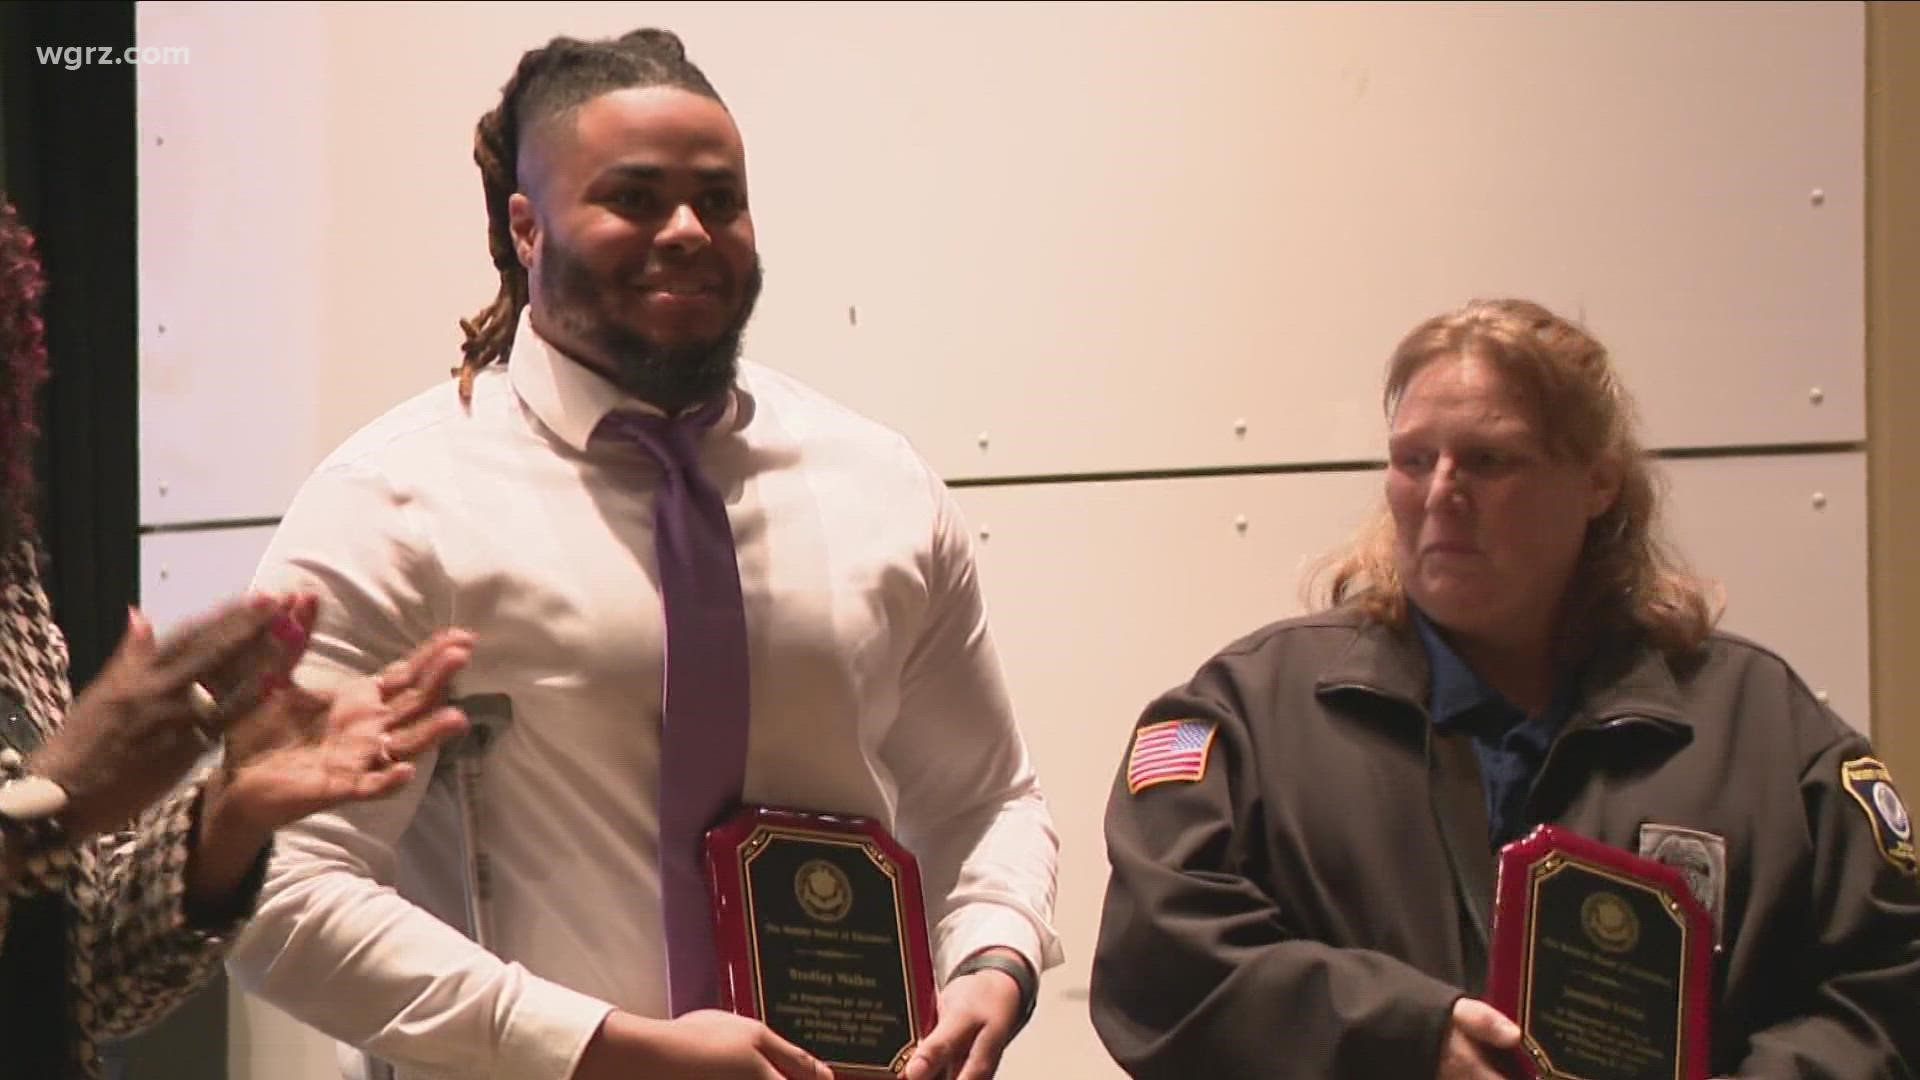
x=1174, y=750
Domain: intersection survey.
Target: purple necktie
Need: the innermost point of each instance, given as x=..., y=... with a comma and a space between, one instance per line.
x=704, y=690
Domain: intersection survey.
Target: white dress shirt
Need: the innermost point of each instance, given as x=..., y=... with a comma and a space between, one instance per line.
x=875, y=691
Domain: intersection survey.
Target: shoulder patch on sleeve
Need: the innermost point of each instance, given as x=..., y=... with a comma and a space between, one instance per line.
x=1176, y=750
x=1871, y=785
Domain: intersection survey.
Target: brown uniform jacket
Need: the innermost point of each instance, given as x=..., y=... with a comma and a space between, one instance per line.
x=1293, y=913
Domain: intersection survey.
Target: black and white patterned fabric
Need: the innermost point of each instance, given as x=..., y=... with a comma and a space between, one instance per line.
x=132, y=951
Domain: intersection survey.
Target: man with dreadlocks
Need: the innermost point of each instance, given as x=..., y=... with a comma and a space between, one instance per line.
x=602, y=394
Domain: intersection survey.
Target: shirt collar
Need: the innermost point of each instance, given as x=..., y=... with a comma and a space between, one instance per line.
x=1456, y=691
x=572, y=399
x=1461, y=700
x=1624, y=680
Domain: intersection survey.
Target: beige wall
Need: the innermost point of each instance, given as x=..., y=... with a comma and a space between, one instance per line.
x=1893, y=377
x=1063, y=268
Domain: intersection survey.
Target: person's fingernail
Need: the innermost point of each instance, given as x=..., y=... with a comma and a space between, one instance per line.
x=289, y=633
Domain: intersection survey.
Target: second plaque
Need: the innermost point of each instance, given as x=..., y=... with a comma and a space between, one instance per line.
x=1603, y=958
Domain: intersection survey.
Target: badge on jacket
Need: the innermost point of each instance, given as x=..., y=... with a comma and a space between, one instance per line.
x=1871, y=785
x=1175, y=750
x=1700, y=857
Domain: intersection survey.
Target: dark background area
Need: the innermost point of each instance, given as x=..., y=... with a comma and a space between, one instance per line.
x=68, y=162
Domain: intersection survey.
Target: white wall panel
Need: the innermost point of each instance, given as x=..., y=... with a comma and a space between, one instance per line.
x=236, y=232
x=1102, y=596
x=1786, y=539
x=185, y=573
x=1098, y=234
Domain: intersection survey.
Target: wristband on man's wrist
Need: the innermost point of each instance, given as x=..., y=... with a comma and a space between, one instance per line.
x=1015, y=968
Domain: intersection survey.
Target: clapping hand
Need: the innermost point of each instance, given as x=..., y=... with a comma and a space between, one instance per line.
x=133, y=733
x=302, y=751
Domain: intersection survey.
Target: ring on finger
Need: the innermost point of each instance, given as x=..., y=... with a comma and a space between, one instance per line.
x=386, y=757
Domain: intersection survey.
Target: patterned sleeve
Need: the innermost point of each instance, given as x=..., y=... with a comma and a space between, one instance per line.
x=37, y=874
x=136, y=951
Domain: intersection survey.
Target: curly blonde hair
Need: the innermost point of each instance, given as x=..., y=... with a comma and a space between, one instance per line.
x=1627, y=580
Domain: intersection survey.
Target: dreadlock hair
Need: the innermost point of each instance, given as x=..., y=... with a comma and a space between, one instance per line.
x=550, y=81
x=23, y=368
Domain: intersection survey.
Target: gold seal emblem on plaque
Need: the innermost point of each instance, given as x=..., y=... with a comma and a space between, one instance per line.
x=823, y=890
x=1610, y=922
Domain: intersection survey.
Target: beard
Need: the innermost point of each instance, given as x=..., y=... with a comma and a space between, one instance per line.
x=668, y=377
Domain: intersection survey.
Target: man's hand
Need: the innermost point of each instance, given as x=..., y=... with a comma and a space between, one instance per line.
x=1477, y=1029
x=977, y=1016
x=705, y=1045
x=300, y=752
x=305, y=751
